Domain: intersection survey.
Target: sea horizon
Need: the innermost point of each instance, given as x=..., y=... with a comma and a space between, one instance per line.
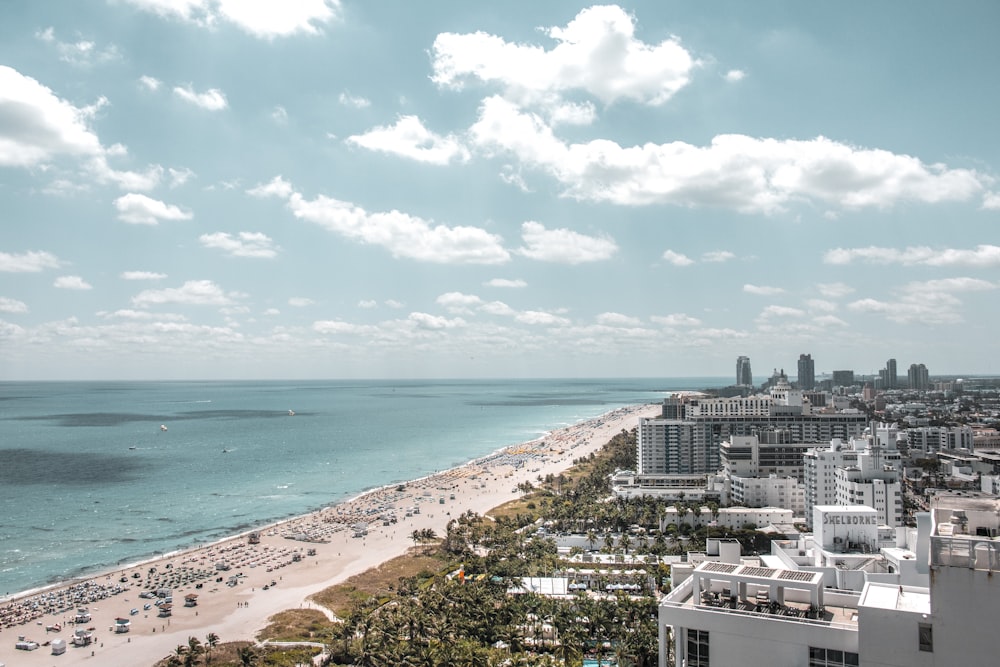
x=98, y=474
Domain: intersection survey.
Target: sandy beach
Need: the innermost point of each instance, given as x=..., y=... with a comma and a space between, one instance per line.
x=292, y=559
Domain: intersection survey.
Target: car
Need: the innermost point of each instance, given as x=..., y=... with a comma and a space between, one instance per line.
x=147, y=606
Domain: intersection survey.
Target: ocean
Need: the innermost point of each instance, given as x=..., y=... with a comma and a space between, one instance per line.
x=94, y=475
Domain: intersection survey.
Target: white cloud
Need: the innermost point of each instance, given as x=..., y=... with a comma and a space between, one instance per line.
x=948, y=285
x=563, y=246
x=367, y=304
x=179, y=177
x=618, y=320
x=821, y=305
x=829, y=321
x=541, y=318
x=277, y=187
x=981, y=256
x=353, y=101
x=192, y=292
x=925, y=302
x=36, y=126
x=32, y=261
x=402, y=234
x=279, y=115
x=834, y=290
x=676, y=320
x=991, y=201
x=8, y=305
x=504, y=282
x=149, y=82
x=597, y=52
x=762, y=290
x=434, y=322
x=266, y=20
x=340, y=327
x=82, y=53
x=457, y=302
x=212, y=99
x=677, y=259
x=497, y=308
x=128, y=314
x=142, y=275
x=744, y=173
x=72, y=282
x=244, y=244
x=392, y=303
x=717, y=256
x=139, y=209
x=735, y=75
x=409, y=138
x=779, y=311
x=300, y=302
x=102, y=172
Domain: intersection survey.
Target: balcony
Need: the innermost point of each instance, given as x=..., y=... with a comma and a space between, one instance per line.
x=974, y=553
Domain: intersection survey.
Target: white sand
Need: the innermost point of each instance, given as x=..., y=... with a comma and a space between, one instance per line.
x=238, y=612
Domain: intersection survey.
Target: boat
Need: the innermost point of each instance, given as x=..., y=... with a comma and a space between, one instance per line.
x=163, y=427
x=225, y=451
x=133, y=447
x=291, y=413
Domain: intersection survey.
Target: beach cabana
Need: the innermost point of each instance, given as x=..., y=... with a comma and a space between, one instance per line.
x=191, y=600
x=166, y=609
x=122, y=625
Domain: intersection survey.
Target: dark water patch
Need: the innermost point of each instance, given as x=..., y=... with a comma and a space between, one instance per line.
x=541, y=401
x=235, y=414
x=25, y=467
x=106, y=419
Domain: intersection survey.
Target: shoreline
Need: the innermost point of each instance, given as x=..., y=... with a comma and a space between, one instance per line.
x=294, y=557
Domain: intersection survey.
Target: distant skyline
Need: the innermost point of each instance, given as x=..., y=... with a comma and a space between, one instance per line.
x=208, y=189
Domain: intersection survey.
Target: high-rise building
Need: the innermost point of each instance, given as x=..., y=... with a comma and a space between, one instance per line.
x=890, y=374
x=807, y=372
x=918, y=377
x=843, y=378
x=744, y=376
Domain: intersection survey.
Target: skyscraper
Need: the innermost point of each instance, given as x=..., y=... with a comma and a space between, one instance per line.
x=890, y=374
x=807, y=372
x=918, y=377
x=744, y=376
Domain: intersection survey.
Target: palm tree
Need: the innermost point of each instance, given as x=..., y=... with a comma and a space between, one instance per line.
x=194, y=649
x=211, y=641
x=248, y=656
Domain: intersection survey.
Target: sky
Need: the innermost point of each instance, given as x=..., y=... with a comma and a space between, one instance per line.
x=293, y=189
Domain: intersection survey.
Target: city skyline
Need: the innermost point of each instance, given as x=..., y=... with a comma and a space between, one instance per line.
x=201, y=189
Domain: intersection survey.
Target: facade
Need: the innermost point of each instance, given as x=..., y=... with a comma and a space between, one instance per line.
x=843, y=378
x=747, y=456
x=772, y=491
x=918, y=377
x=926, y=441
x=676, y=447
x=807, y=372
x=744, y=376
x=859, y=472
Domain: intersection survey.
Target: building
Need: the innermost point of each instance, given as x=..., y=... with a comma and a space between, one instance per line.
x=676, y=447
x=918, y=377
x=747, y=456
x=772, y=491
x=807, y=372
x=860, y=472
x=889, y=379
x=843, y=378
x=926, y=441
x=744, y=376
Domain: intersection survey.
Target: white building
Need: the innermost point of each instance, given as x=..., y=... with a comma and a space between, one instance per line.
x=772, y=491
x=925, y=441
x=856, y=473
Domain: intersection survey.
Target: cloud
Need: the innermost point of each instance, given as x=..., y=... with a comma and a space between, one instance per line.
x=457, y=302
x=36, y=126
x=504, y=282
x=991, y=201
x=265, y=20
x=677, y=259
x=925, y=302
x=563, y=246
x=353, y=101
x=717, y=256
x=192, y=292
x=340, y=327
x=212, y=99
x=367, y=304
x=434, y=322
x=618, y=320
x=834, y=290
x=821, y=305
x=277, y=187
x=762, y=290
x=409, y=138
x=738, y=172
x=779, y=311
x=72, y=282
x=597, y=52
x=735, y=75
x=137, y=209
x=541, y=318
x=8, y=305
x=244, y=244
x=32, y=261
x=981, y=256
x=392, y=303
x=82, y=53
x=403, y=235
x=279, y=115
x=676, y=320
x=149, y=82
x=179, y=177
x=141, y=275
x=300, y=302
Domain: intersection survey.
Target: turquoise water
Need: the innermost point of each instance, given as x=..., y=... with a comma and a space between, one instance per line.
x=88, y=480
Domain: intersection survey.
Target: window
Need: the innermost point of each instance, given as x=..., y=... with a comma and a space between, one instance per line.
x=697, y=648
x=925, y=637
x=828, y=657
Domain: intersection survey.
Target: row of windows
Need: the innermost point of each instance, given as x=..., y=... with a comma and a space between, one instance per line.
x=828, y=657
